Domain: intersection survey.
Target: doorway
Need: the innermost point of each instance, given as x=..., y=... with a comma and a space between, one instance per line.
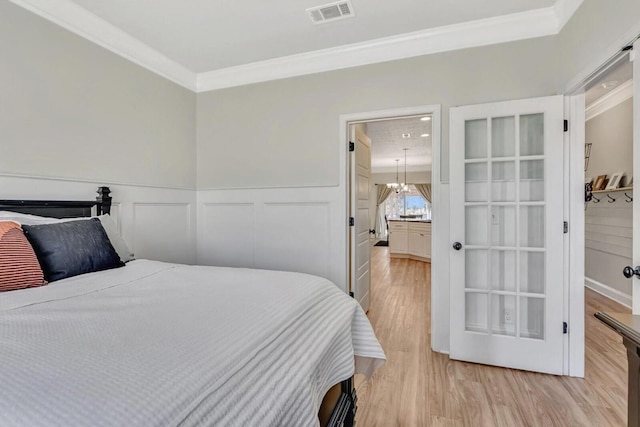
x=609, y=174
x=382, y=124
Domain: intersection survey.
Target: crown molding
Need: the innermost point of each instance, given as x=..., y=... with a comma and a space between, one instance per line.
x=610, y=100
x=506, y=28
x=564, y=10
x=78, y=20
x=483, y=32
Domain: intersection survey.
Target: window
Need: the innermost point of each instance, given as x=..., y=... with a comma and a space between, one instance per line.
x=410, y=203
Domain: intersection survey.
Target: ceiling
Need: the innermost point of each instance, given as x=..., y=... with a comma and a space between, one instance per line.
x=616, y=76
x=205, y=35
x=387, y=144
x=209, y=44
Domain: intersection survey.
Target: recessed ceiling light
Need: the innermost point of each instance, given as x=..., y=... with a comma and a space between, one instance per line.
x=406, y=135
x=609, y=84
x=425, y=119
x=424, y=135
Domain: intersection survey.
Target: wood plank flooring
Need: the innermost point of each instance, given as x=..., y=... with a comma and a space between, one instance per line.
x=418, y=387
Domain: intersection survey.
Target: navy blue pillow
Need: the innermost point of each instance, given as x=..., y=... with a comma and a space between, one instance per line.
x=67, y=249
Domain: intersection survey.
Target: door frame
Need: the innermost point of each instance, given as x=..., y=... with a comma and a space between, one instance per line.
x=439, y=231
x=574, y=200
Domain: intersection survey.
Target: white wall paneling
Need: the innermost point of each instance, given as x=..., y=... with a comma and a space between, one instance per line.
x=163, y=231
x=295, y=236
x=294, y=229
x=155, y=222
x=226, y=234
x=608, y=243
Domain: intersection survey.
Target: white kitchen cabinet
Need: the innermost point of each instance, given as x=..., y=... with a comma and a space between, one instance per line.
x=410, y=239
x=398, y=239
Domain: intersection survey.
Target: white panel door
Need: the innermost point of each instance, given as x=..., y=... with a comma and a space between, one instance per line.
x=507, y=234
x=360, y=194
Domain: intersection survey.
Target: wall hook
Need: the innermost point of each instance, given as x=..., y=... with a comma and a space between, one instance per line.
x=629, y=198
x=595, y=199
x=611, y=199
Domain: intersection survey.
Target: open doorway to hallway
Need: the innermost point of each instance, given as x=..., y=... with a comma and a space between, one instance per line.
x=390, y=197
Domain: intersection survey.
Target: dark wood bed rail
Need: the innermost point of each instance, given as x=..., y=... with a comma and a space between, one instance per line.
x=61, y=208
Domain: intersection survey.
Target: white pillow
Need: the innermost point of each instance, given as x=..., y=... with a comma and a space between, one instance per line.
x=117, y=241
x=108, y=224
x=26, y=219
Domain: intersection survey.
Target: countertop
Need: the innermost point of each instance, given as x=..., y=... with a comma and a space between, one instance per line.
x=411, y=220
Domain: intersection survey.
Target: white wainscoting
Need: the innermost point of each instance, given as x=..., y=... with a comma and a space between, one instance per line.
x=157, y=223
x=608, y=241
x=161, y=231
x=294, y=229
x=224, y=223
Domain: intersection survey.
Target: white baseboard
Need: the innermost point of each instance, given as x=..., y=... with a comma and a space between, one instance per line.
x=608, y=292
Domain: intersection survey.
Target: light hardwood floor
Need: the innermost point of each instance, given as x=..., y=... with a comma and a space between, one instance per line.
x=418, y=387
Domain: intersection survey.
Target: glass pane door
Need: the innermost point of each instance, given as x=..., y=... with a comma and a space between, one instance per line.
x=506, y=214
x=505, y=230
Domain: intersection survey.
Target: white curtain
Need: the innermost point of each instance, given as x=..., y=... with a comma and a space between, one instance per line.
x=381, y=225
x=424, y=190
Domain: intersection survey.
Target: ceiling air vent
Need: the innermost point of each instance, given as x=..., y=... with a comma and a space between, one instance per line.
x=331, y=12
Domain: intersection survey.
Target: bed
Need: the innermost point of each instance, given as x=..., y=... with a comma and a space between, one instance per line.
x=161, y=344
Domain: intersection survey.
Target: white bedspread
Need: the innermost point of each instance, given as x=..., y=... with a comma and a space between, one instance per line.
x=157, y=344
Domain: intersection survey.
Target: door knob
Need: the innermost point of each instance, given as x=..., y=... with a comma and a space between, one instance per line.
x=629, y=272
x=457, y=246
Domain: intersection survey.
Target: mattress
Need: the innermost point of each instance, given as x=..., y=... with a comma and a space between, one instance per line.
x=159, y=344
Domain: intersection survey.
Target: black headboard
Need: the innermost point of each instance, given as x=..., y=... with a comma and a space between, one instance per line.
x=61, y=208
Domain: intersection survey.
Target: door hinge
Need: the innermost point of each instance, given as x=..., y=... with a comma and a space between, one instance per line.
x=565, y=327
x=352, y=221
x=352, y=146
x=566, y=227
x=566, y=125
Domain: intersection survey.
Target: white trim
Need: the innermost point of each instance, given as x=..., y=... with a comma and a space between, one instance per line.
x=439, y=262
x=92, y=181
x=266, y=187
x=482, y=32
x=564, y=10
x=635, y=287
x=610, y=100
x=601, y=61
x=574, y=240
x=500, y=29
x=80, y=21
x=608, y=291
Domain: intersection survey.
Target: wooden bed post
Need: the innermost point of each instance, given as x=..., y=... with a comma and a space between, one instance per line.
x=104, y=201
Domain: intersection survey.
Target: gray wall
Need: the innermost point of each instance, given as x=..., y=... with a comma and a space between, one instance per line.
x=286, y=133
x=608, y=226
x=611, y=136
x=71, y=109
x=596, y=27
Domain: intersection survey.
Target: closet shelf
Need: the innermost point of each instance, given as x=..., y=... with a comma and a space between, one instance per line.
x=613, y=191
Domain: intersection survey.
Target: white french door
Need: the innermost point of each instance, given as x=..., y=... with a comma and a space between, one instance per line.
x=507, y=225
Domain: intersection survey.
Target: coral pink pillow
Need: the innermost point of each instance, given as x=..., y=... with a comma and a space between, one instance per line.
x=19, y=267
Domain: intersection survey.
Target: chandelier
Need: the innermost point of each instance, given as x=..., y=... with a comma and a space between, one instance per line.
x=404, y=187
x=395, y=185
